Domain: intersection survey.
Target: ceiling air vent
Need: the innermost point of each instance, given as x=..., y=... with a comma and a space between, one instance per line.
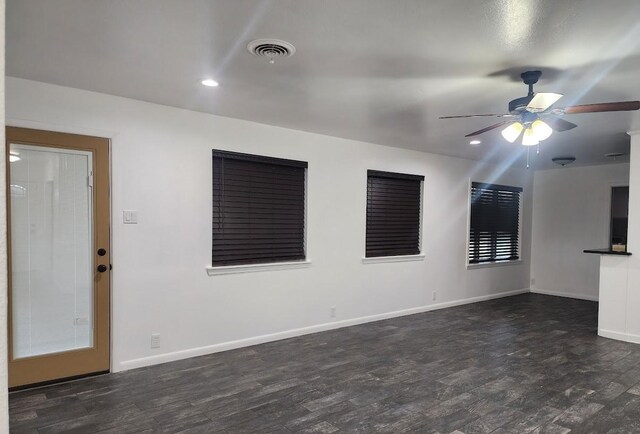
x=272, y=49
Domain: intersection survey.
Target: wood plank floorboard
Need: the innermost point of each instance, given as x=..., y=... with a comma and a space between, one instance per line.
x=527, y=363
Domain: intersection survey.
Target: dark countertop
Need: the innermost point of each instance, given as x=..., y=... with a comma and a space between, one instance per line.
x=607, y=252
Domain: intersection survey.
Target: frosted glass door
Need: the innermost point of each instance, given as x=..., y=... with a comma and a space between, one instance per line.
x=51, y=250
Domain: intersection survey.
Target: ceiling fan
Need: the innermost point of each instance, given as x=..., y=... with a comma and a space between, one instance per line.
x=533, y=117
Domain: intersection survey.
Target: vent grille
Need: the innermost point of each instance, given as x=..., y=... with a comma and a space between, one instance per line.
x=271, y=48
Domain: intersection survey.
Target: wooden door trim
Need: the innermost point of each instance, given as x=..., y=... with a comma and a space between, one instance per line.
x=99, y=359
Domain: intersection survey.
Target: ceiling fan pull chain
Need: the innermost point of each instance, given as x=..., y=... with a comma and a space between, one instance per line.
x=528, y=149
x=538, y=149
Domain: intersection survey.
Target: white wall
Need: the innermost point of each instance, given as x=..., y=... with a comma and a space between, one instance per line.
x=4, y=405
x=632, y=299
x=620, y=275
x=571, y=209
x=161, y=167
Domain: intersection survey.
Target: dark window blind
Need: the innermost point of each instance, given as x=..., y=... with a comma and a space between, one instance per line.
x=495, y=223
x=258, y=209
x=393, y=214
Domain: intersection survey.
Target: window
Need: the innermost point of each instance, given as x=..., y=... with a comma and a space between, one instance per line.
x=258, y=209
x=393, y=214
x=495, y=223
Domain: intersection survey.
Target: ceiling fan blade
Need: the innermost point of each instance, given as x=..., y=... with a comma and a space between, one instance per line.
x=559, y=124
x=602, y=107
x=489, y=128
x=542, y=101
x=505, y=115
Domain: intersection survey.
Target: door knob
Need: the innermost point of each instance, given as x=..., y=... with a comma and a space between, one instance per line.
x=102, y=252
x=102, y=268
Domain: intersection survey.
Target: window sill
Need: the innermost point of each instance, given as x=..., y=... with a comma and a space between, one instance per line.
x=494, y=264
x=402, y=258
x=251, y=268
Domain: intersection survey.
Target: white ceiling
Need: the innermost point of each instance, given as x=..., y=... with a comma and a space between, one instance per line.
x=381, y=71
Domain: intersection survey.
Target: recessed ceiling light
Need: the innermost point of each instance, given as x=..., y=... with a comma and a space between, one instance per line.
x=475, y=142
x=210, y=82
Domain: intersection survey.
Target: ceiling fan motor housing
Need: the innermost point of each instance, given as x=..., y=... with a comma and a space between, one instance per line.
x=518, y=105
x=529, y=78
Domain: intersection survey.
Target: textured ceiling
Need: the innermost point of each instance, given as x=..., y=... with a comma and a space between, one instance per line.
x=375, y=70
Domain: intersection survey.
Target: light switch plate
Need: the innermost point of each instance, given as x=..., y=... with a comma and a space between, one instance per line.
x=155, y=340
x=130, y=217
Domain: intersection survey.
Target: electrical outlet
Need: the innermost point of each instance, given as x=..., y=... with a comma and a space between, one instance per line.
x=333, y=311
x=435, y=295
x=155, y=340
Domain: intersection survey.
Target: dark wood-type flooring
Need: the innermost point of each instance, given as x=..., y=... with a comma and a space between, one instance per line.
x=528, y=363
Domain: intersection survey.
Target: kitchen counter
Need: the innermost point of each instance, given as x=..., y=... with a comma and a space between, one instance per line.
x=607, y=252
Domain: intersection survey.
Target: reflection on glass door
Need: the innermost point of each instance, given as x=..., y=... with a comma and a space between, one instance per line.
x=51, y=233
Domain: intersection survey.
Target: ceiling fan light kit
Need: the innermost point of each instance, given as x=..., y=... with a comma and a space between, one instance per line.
x=535, y=119
x=541, y=130
x=529, y=138
x=512, y=132
x=534, y=132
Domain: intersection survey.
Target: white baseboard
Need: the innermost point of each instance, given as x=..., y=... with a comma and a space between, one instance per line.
x=626, y=337
x=564, y=294
x=225, y=346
